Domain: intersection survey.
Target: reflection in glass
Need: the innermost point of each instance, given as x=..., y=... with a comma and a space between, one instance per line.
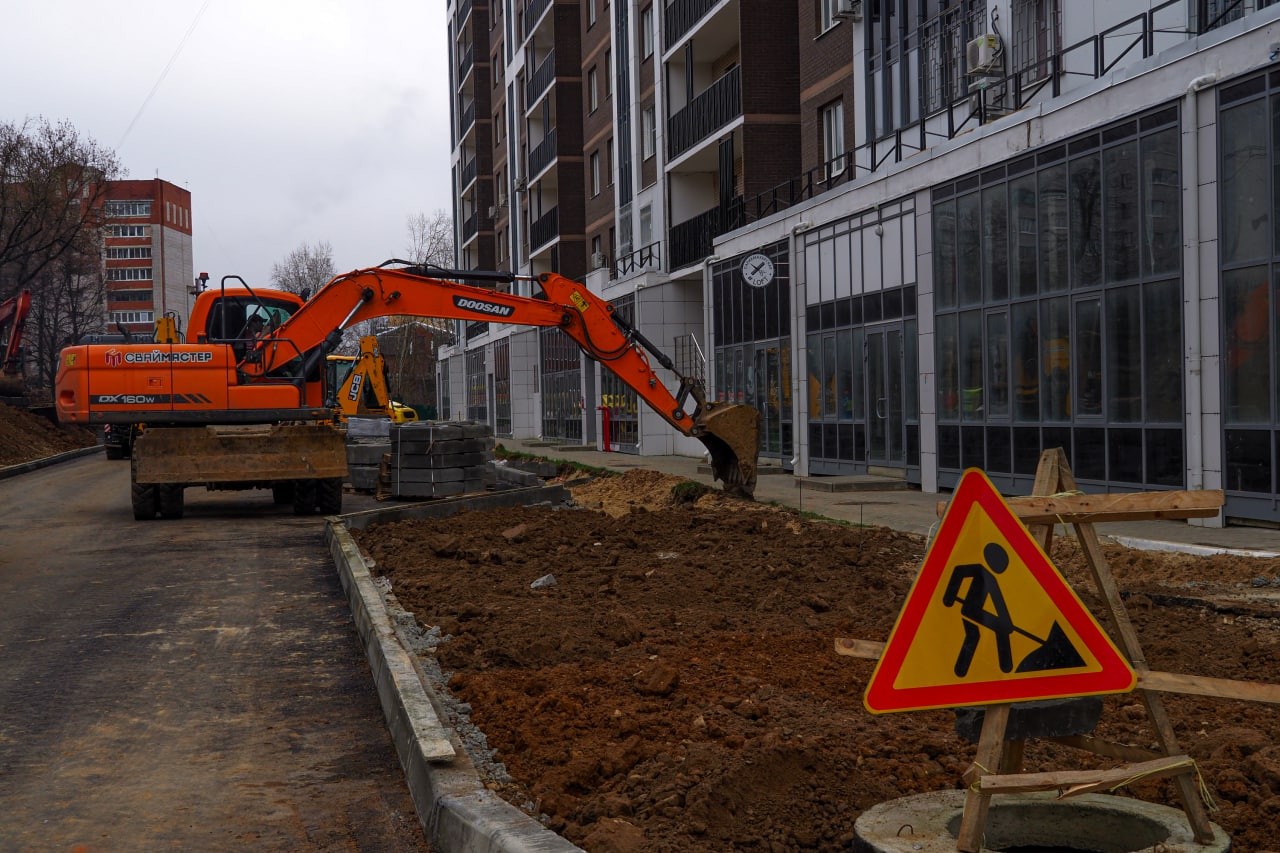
x=1088, y=360
x=1246, y=319
x=844, y=375
x=1026, y=361
x=1244, y=182
x=998, y=365
x=944, y=253
x=1121, y=199
x=1053, y=229
x=995, y=242
x=1124, y=355
x=948, y=367
x=1022, y=222
x=971, y=390
x=968, y=241
x=1161, y=187
x=1163, y=351
x=1086, y=221
x=1056, y=359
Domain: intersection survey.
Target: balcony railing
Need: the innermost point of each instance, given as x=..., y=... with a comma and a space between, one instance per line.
x=464, y=9
x=467, y=119
x=470, y=226
x=533, y=13
x=543, y=154
x=691, y=241
x=1092, y=57
x=469, y=172
x=682, y=16
x=541, y=79
x=544, y=230
x=719, y=104
x=645, y=258
x=466, y=59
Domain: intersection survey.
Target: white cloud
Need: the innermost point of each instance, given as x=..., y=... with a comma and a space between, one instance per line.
x=289, y=121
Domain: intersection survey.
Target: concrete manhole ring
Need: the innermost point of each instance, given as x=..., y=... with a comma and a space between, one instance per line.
x=1100, y=823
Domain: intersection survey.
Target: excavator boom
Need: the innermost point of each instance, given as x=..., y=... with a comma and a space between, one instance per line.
x=13, y=316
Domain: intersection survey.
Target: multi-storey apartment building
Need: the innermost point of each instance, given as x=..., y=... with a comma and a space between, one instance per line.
x=918, y=235
x=149, y=264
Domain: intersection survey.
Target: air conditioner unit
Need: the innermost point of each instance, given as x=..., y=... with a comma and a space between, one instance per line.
x=599, y=260
x=983, y=55
x=520, y=183
x=851, y=9
x=493, y=211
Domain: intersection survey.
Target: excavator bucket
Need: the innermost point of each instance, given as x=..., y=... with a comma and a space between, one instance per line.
x=731, y=431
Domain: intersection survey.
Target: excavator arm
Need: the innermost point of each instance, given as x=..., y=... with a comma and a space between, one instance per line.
x=729, y=431
x=13, y=316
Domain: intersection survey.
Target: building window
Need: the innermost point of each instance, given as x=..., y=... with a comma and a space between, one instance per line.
x=130, y=231
x=916, y=56
x=128, y=208
x=833, y=138
x=133, y=316
x=646, y=225
x=1035, y=37
x=646, y=32
x=129, y=274
x=1058, y=287
x=129, y=295
x=648, y=133
x=595, y=173
x=828, y=15
x=593, y=90
x=608, y=162
x=477, y=392
x=591, y=13
x=608, y=74
x=128, y=252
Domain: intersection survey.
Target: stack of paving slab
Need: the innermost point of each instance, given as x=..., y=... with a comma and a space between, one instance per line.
x=368, y=440
x=435, y=460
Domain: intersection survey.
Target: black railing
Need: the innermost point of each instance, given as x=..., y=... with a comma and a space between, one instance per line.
x=466, y=59
x=469, y=171
x=544, y=230
x=681, y=16
x=719, y=104
x=541, y=79
x=467, y=119
x=543, y=154
x=691, y=241
x=476, y=328
x=645, y=258
x=533, y=13
x=470, y=226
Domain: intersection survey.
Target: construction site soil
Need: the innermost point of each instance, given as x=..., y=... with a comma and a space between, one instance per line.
x=25, y=437
x=677, y=688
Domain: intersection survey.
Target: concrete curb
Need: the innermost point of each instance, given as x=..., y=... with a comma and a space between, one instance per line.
x=35, y=465
x=457, y=813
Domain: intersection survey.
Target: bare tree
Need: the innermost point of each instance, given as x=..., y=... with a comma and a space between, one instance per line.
x=431, y=238
x=53, y=185
x=307, y=268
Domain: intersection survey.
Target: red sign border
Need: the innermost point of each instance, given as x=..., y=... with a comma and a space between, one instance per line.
x=1115, y=676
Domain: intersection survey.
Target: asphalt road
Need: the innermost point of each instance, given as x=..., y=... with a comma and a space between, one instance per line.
x=182, y=685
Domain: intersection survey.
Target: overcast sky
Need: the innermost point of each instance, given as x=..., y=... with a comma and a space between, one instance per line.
x=290, y=121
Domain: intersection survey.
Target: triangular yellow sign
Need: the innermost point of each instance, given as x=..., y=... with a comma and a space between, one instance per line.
x=990, y=619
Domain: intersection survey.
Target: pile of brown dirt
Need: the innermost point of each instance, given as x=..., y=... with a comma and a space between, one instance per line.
x=677, y=688
x=25, y=437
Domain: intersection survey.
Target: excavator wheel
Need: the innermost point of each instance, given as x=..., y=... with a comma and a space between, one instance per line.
x=169, y=497
x=282, y=492
x=329, y=496
x=146, y=501
x=304, y=497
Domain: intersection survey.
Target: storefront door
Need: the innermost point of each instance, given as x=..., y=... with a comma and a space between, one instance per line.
x=884, y=383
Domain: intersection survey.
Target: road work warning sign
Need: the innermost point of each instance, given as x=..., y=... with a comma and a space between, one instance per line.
x=990, y=619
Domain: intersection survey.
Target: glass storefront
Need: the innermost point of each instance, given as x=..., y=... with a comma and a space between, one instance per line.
x=623, y=402
x=1058, y=293
x=561, y=386
x=502, y=387
x=477, y=392
x=752, y=356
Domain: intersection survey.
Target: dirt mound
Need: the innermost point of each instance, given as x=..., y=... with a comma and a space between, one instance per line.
x=676, y=687
x=25, y=437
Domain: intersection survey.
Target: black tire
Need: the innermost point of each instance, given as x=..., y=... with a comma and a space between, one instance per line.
x=304, y=497
x=146, y=502
x=115, y=452
x=329, y=496
x=282, y=493
x=169, y=498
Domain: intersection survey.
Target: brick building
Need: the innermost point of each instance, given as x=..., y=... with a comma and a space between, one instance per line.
x=149, y=263
x=918, y=235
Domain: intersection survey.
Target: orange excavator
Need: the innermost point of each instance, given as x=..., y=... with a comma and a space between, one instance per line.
x=13, y=316
x=242, y=403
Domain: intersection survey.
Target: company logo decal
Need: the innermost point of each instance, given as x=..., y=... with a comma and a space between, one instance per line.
x=112, y=357
x=491, y=308
x=356, y=382
x=579, y=301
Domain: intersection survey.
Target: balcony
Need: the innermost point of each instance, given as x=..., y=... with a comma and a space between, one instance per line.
x=470, y=227
x=467, y=120
x=645, y=258
x=544, y=230
x=719, y=104
x=469, y=172
x=543, y=154
x=541, y=79
x=533, y=11
x=691, y=241
x=464, y=10
x=466, y=60
x=682, y=16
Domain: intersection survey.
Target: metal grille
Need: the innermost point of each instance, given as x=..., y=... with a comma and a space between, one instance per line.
x=690, y=360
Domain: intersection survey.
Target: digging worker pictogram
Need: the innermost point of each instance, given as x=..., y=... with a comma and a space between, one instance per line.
x=983, y=588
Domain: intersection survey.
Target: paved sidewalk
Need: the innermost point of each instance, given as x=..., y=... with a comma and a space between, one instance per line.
x=878, y=502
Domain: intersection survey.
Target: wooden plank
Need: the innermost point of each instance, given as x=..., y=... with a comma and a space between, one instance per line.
x=1106, y=748
x=973, y=823
x=1073, y=782
x=1165, y=682
x=1099, y=509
